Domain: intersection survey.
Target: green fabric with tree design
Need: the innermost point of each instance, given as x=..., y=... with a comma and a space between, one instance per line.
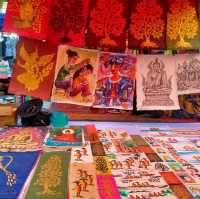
x=50, y=180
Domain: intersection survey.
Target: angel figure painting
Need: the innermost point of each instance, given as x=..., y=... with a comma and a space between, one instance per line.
x=75, y=76
x=34, y=69
x=158, y=83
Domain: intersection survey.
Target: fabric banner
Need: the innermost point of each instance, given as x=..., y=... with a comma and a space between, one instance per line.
x=67, y=22
x=13, y=174
x=82, y=181
x=107, y=25
x=107, y=187
x=75, y=76
x=188, y=73
x=28, y=18
x=22, y=139
x=115, y=81
x=34, y=69
x=102, y=165
x=182, y=25
x=148, y=24
x=91, y=133
x=50, y=180
x=82, y=154
x=156, y=83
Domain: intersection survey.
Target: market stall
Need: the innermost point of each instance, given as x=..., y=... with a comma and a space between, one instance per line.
x=99, y=99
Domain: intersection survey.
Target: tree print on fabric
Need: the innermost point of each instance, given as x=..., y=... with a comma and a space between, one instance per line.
x=66, y=17
x=182, y=23
x=107, y=20
x=50, y=176
x=147, y=23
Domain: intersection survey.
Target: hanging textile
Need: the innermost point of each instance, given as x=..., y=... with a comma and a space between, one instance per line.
x=27, y=18
x=107, y=25
x=115, y=81
x=182, y=25
x=148, y=24
x=13, y=174
x=34, y=69
x=50, y=179
x=156, y=83
x=188, y=73
x=67, y=22
x=75, y=77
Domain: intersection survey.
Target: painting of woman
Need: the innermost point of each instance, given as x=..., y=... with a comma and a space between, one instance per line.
x=75, y=75
x=64, y=77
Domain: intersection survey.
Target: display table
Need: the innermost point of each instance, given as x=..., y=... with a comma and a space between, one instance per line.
x=114, y=160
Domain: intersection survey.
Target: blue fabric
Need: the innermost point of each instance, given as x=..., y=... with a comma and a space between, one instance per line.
x=1, y=20
x=21, y=165
x=52, y=143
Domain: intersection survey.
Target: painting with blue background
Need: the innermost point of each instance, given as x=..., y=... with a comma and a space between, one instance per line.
x=15, y=168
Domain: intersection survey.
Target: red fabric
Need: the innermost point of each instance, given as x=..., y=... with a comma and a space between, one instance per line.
x=67, y=22
x=170, y=178
x=91, y=133
x=107, y=24
x=34, y=69
x=148, y=16
x=27, y=18
x=145, y=149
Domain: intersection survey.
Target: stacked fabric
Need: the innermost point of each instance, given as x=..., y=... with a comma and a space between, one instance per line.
x=155, y=162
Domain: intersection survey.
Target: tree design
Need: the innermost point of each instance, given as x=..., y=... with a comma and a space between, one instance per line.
x=147, y=22
x=182, y=23
x=106, y=20
x=67, y=16
x=50, y=176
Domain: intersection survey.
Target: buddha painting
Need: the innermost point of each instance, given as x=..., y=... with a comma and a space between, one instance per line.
x=156, y=77
x=21, y=140
x=66, y=135
x=156, y=85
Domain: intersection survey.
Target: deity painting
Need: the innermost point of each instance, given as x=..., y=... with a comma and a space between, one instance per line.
x=34, y=69
x=27, y=18
x=188, y=73
x=156, y=77
x=115, y=81
x=22, y=139
x=75, y=78
x=61, y=137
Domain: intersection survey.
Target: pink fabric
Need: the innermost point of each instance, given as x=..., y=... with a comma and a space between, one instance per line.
x=107, y=187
